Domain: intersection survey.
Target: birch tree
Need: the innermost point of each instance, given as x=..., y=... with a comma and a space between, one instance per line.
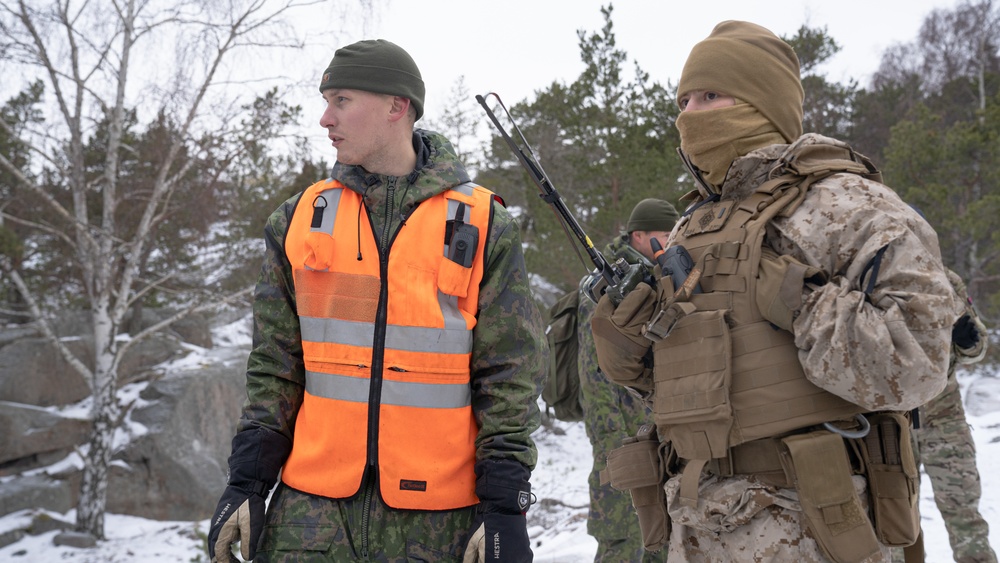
x=103, y=63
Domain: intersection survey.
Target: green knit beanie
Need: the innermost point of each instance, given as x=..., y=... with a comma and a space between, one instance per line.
x=748, y=62
x=652, y=215
x=376, y=65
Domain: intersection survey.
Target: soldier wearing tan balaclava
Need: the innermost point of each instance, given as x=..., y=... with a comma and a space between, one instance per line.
x=818, y=312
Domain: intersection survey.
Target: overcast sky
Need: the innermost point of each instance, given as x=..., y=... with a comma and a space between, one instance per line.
x=515, y=47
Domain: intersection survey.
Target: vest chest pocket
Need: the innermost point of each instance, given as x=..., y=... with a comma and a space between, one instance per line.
x=453, y=278
x=318, y=251
x=461, y=244
x=693, y=375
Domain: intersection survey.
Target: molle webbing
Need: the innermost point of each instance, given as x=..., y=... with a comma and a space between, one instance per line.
x=724, y=375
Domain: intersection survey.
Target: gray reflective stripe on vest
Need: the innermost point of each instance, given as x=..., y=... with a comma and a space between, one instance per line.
x=397, y=337
x=396, y=393
x=454, y=338
x=332, y=197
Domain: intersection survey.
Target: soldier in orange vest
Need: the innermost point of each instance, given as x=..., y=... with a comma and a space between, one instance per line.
x=397, y=355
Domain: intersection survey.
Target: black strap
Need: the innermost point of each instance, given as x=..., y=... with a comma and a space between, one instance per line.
x=873, y=265
x=319, y=206
x=710, y=199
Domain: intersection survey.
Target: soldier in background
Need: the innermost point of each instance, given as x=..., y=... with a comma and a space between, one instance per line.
x=611, y=413
x=946, y=448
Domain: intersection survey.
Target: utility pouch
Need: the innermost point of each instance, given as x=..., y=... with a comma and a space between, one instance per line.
x=639, y=466
x=821, y=470
x=692, y=372
x=893, y=481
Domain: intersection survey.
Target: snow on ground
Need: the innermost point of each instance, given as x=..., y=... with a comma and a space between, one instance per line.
x=557, y=522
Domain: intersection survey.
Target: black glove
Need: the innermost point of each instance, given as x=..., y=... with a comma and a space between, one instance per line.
x=965, y=334
x=501, y=529
x=257, y=457
x=239, y=517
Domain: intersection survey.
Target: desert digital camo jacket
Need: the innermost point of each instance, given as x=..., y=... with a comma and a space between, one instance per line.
x=509, y=351
x=877, y=334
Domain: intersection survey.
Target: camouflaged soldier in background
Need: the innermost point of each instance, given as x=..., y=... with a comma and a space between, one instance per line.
x=611, y=413
x=946, y=448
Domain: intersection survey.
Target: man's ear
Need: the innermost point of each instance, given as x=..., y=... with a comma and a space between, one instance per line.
x=400, y=106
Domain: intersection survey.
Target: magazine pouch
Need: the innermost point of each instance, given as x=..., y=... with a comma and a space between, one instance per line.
x=639, y=466
x=820, y=468
x=692, y=370
x=893, y=481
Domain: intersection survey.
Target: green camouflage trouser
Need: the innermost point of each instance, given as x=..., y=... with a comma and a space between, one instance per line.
x=304, y=528
x=948, y=454
x=611, y=414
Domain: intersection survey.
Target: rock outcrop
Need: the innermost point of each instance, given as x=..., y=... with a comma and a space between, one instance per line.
x=179, y=425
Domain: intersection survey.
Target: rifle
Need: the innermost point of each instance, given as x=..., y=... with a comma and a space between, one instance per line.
x=615, y=279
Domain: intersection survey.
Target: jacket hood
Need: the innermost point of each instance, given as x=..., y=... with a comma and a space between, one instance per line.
x=438, y=169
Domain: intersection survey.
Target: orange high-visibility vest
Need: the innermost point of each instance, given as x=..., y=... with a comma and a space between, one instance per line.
x=387, y=348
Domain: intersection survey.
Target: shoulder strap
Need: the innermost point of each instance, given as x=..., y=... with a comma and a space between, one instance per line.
x=806, y=164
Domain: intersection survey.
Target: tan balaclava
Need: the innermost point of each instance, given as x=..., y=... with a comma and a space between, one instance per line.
x=748, y=62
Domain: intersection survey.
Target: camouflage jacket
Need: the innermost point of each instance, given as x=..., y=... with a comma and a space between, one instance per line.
x=878, y=333
x=509, y=350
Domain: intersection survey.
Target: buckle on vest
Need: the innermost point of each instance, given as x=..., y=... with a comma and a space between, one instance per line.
x=666, y=319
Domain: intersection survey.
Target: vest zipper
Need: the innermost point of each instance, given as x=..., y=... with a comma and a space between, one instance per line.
x=368, y=485
x=378, y=361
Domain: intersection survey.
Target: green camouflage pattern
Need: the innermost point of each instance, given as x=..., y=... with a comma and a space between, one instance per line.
x=509, y=351
x=611, y=413
x=307, y=528
x=948, y=453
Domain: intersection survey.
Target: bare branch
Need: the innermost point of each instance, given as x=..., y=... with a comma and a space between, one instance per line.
x=39, y=226
x=149, y=287
x=46, y=196
x=198, y=307
x=46, y=328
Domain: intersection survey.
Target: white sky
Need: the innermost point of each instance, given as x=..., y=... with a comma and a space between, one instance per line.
x=517, y=47
x=514, y=47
